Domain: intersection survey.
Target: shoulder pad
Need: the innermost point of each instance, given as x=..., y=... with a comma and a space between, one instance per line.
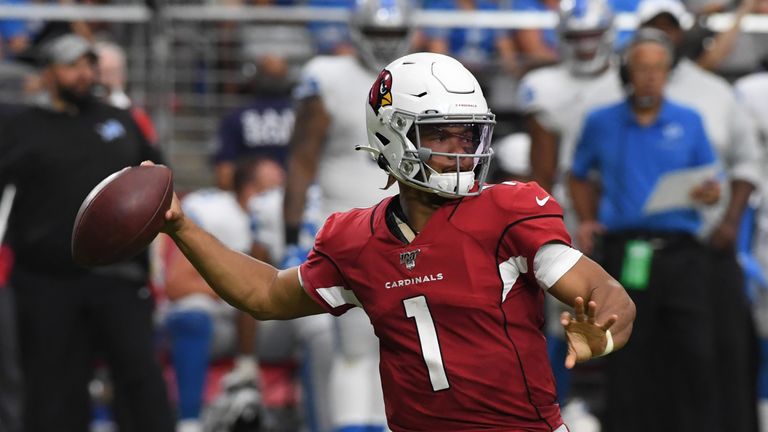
x=344, y=234
x=521, y=200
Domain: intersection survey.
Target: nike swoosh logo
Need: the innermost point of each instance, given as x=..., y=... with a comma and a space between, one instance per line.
x=543, y=201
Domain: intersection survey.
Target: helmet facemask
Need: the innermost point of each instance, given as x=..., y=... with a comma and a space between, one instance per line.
x=377, y=47
x=429, y=125
x=586, y=35
x=380, y=31
x=587, y=52
x=458, y=146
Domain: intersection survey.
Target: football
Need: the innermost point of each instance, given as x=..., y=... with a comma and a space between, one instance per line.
x=122, y=215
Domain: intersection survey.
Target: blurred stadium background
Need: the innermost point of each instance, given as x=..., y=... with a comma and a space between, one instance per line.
x=187, y=60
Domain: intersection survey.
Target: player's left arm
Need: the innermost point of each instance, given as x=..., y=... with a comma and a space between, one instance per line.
x=600, y=304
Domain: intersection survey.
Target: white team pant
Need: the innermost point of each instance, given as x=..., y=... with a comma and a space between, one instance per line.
x=355, y=381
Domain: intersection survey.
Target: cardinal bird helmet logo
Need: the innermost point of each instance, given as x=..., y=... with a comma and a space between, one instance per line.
x=381, y=92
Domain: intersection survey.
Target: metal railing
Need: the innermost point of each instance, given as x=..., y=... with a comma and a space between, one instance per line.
x=184, y=60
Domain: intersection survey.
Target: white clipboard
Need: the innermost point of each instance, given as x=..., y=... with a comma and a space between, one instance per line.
x=6, y=202
x=673, y=190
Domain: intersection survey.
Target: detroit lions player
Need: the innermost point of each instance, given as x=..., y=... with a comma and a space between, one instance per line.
x=557, y=98
x=329, y=124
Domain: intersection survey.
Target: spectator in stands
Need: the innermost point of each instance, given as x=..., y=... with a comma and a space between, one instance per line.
x=331, y=38
x=14, y=34
x=537, y=47
x=477, y=48
x=67, y=312
x=112, y=83
x=632, y=144
x=731, y=53
x=201, y=326
x=733, y=135
x=263, y=127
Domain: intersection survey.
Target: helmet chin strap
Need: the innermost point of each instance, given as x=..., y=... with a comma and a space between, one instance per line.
x=446, y=182
x=450, y=183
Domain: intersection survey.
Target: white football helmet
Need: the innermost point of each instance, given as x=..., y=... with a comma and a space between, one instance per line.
x=380, y=30
x=429, y=92
x=586, y=35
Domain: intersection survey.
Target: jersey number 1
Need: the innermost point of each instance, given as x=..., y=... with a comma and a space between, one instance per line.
x=417, y=308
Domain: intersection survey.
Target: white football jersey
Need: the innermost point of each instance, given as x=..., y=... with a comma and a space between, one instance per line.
x=218, y=212
x=752, y=91
x=729, y=127
x=560, y=101
x=347, y=178
x=268, y=226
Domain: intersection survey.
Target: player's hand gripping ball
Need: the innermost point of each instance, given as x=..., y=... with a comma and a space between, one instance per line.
x=122, y=215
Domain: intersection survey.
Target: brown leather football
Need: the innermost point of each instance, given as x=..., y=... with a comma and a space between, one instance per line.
x=122, y=215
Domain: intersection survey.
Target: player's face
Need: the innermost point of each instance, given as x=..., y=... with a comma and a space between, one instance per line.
x=450, y=138
x=585, y=44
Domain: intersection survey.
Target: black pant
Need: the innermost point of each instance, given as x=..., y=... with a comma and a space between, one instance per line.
x=10, y=376
x=63, y=322
x=664, y=378
x=736, y=345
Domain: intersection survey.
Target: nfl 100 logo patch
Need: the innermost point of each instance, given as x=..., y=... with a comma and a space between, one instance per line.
x=408, y=259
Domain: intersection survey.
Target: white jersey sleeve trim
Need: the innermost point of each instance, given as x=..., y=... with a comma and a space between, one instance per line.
x=510, y=270
x=552, y=261
x=337, y=296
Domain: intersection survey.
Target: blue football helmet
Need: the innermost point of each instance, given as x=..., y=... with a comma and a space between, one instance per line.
x=586, y=34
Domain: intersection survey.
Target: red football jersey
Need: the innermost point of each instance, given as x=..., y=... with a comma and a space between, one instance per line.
x=458, y=311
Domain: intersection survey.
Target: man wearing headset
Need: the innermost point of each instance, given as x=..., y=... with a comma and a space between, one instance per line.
x=734, y=138
x=632, y=144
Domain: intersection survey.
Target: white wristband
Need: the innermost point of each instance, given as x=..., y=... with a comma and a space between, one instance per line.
x=608, y=344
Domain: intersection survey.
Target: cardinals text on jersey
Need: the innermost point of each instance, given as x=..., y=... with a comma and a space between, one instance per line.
x=460, y=331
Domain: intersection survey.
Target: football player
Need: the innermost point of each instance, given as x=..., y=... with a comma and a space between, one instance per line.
x=328, y=125
x=451, y=272
x=557, y=98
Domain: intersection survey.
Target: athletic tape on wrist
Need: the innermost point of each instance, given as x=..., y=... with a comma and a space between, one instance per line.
x=608, y=344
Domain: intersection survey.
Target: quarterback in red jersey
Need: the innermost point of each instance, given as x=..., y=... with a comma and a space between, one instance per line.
x=451, y=272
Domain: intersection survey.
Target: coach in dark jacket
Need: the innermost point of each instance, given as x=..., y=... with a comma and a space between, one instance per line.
x=55, y=154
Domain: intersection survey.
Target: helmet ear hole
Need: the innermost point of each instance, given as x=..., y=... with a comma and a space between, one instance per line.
x=382, y=139
x=411, y=135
